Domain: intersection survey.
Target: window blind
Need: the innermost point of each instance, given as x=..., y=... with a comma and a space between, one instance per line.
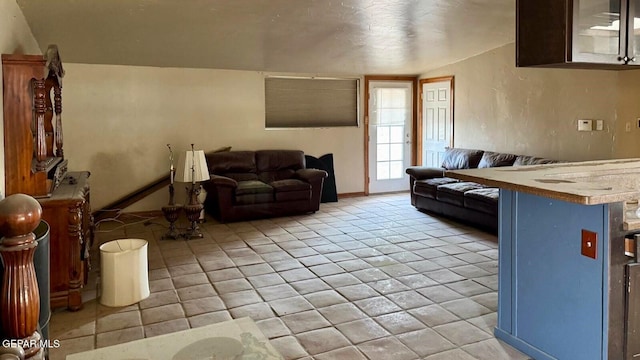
x=310, y=102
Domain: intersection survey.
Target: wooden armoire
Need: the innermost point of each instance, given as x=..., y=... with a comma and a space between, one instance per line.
x=35, y=165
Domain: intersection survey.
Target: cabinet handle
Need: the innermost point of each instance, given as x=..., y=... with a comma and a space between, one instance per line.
x=633, y=59
x=623, y=58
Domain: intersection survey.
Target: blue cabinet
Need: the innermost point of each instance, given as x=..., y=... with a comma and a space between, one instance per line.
x=553, y=302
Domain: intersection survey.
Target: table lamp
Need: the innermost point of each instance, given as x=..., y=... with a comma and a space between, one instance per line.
x=192, y=168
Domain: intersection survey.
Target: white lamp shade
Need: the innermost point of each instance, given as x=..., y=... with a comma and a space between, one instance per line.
x=192, y=163
x=124, y=277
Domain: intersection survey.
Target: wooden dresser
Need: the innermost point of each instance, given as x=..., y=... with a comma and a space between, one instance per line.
x=68, y=213
x=35, y=165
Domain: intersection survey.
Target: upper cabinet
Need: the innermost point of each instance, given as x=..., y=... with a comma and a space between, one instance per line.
x=603, y=34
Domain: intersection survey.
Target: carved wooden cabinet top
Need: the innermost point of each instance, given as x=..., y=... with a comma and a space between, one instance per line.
x=32, y=107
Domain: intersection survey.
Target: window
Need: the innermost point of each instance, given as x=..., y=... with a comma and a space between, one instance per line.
x=310, y=102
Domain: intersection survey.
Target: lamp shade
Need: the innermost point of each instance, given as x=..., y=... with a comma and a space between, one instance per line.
x=192, y=167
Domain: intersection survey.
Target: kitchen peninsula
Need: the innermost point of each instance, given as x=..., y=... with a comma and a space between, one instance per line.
x=563, y=285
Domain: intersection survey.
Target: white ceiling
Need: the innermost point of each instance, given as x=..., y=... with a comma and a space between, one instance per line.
x=298, y=36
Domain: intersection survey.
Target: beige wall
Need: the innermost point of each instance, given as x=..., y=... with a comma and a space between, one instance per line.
x=534, y=111
x=15, y=38
x=118, y=120
x=627, y=143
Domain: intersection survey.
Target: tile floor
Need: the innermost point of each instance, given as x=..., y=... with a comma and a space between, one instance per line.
x=364, y=278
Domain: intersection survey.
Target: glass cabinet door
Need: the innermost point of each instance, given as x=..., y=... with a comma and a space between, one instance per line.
x=596, y=31
x=634, y=32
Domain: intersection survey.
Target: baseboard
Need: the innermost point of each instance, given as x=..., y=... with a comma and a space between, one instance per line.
x=521, y=345
x=351, y=195
x=362, y=193
x=392, y=192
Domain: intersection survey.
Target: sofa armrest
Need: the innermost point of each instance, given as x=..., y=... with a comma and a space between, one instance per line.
x=220, y=196
x=315, y=178
x=218, y=180
x=422, y=172
x=311, y=175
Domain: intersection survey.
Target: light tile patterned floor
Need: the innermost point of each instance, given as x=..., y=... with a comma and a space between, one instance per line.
x=364, y=278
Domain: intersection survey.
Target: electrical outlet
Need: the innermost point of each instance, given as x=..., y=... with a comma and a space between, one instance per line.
x=589, y=243
x=627, y=126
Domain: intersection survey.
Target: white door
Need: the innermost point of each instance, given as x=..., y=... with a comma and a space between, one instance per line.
x=436, y=121
x=390, y=121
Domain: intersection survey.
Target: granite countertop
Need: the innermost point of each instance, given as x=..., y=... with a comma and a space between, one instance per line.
x=588, y=182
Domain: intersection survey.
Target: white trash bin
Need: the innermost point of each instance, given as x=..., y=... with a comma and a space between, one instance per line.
x=124, y=278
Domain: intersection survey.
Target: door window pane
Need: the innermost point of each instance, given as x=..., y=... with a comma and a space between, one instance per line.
x=383, y=152
x=383, y=170
x=636, y=28
x=396, y=134
x=396, y=170
x=395, y=151
x=383, y=135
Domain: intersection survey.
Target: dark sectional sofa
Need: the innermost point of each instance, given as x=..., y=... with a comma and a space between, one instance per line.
x=249, y=185
x=465, y=201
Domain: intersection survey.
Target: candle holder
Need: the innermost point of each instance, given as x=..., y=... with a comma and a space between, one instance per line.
x=171, y=213
x=172, y=210
x=192, y=210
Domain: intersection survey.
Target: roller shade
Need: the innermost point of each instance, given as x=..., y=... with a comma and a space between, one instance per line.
x=310, y=102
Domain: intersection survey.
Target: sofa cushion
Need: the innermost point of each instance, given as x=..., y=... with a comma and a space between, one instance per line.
x=250, y=199
x=494, y=159
x=427, y=188
x=454, y=193
x=531, y=160
x=221, y=163
x=271, y=176
x=484, y=200
x=275, y=165
x=253, y=187
x=461, y=158
x=290, y=185
x=293, y=195
x=242, y=176
x=291, y=189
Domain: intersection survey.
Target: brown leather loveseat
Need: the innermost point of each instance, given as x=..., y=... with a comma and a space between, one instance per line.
x=248, y=185
x=465, y=201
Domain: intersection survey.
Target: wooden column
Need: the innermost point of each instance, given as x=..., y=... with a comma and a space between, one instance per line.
x=20, y=298
x=57, y=98
x=75, y=268
x=40, y=107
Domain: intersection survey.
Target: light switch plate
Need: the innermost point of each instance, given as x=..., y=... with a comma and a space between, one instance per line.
x=585, y=125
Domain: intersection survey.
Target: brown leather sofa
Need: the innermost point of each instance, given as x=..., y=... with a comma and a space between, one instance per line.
x=248, y=185
x=465, y=201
